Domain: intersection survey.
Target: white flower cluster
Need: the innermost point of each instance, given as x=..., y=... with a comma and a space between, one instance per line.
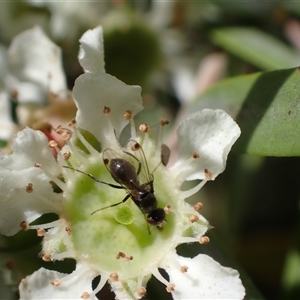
x=116, y=243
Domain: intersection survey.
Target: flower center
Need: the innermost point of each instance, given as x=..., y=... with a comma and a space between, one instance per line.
x=119, y=238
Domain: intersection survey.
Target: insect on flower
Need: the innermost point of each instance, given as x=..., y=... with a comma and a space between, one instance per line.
x=130, y=170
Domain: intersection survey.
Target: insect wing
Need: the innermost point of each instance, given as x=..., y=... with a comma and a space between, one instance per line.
x=135, y=154
x=121, y=169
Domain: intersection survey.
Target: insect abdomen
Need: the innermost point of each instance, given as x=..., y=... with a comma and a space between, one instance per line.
x=124, y=173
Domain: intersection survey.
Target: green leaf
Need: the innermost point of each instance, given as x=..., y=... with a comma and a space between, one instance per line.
x=256, y=47
x=265, y=105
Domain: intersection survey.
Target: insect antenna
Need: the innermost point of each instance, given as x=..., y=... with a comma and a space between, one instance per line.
x=94, y=178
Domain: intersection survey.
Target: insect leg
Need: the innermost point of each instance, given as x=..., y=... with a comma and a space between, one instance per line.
x=94, y=178
x=124, y=200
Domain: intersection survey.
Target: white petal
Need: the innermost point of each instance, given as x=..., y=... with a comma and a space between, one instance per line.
x=204, y=279
x=91, y=54
x=210, y=133
x=29, y=147
x=93, y=92
x=17, y=171
x=38, y=286
x=35, y=66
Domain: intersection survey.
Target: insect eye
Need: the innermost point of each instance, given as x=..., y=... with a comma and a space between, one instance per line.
x=156, y=217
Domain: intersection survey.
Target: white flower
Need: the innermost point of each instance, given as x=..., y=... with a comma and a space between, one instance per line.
x=34, y=66
x=116, y=242
x=34, y=81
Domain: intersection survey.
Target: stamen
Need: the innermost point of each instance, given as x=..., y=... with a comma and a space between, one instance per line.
x=194, y=190
x=56, y=223
x=72, y=123
x=106, y=110
x=198, y=206
x=58, y=182
x=61, y=158
x=77, y=153
x=65, y=133
x=46, y=257
x=128, y=116
x=181, y=168
x=207, y=174
x=29, y=188
x=184, y=269
x=24, y=225
x=86, y=144
x=68, y=230
x=144, y=128
x=167, y=209
x=40, y=232
x=170, y=288
x=187, y=240
x=204, y=240
x=66, y=155
x=114, y=276
x=103, y=279
x=52, y=144
x=56, y=282
x=63, y=255
x=193, y=218
x=163, y=123
x=85, y=295
x=141, y=291
x=159, y=277
x=120, y=255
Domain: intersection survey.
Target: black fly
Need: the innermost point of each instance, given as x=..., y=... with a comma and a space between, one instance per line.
x=130, y=170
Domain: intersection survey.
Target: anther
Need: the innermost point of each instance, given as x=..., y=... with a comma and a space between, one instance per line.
x=167, y=208
x=144, y=128
x=46, y=257
x=198, y=206
x=195, y=155
x=56, y=282
x=120, y=255
x=184, y=269
x=72, y=123
x=24, y=225
x=164, y=122
x=40, y=232
x=52, y=144
x=141, y=291
x=128, y=257
x=135, y=147
x=85, y=295
x=207, y=174
x=67, y=155
x=204, y=240
x=68, y=230
x=170, y=287
x=127, y=115
x=29, y=188
x=106, y=110
x=114, y=276
x=193, y=218
x=65, y=134
x=37, y=165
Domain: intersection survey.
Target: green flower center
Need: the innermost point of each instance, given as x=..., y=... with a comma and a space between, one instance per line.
x=99, y=236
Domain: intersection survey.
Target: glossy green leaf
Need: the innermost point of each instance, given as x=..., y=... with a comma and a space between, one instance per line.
x=256, y=47
x=265, y=105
